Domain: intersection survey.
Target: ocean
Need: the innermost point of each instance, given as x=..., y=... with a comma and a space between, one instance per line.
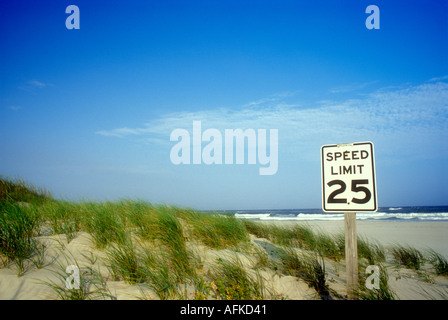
x=418, y=214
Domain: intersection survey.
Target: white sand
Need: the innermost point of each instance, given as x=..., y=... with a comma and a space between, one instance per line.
x=421, y=235
x=406, y=283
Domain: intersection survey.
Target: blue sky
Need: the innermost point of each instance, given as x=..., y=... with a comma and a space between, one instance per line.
x=88, y=113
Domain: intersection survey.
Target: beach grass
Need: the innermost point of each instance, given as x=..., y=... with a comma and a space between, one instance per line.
x=18, y=190
x=63, y=217
x=217, y=231
x=18, y=226
x=232, y=281
x=299, y=236
x=139, y=216
x=71, y=281
x=161, y=277
x=408, y=256
x=171, y=234
x=439, y=262
x=382, y=290
x=308, y=266
x=166, y=250
x=104, y=222
x=372, y=251
x=124, y=264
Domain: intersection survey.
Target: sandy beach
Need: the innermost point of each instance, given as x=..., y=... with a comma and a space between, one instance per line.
x=406, y=283
x=422, y=235
x=128, y=250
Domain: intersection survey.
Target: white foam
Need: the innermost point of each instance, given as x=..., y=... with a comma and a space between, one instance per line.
x=339, y=216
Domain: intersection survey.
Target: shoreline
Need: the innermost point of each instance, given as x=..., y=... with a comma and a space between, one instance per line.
x=421, y=235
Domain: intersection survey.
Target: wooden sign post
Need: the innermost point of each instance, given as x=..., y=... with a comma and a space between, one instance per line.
x=351, y=253
x=349, y=186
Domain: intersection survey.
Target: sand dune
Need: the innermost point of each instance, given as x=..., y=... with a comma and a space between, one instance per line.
x=406, y=283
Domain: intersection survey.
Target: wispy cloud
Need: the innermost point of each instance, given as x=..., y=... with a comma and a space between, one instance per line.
x=122, y=132
x=34, y=84
x=15, y=108
x=415, y=114
x=38, y=84
x=272, y=98
x=352, y=87
x=438, y=78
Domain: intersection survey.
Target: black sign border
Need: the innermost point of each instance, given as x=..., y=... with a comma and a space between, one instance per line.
x=373, y=178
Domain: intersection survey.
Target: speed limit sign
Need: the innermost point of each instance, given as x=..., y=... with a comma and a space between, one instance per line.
x=348, y=177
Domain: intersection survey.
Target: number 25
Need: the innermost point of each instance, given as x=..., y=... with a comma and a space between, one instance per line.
x=355, y=188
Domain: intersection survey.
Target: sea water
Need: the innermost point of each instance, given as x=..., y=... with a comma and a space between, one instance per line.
x=426, y=213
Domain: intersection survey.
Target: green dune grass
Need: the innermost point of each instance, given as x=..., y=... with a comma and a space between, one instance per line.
x=151, y=246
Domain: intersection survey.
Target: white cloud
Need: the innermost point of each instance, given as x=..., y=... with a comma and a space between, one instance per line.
x=351, y=87
x=414, y=114
x=35, y=84
x=121, y=132
x=438, y=78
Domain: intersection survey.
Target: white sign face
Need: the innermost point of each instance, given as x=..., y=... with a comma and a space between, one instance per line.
x=348, y=177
